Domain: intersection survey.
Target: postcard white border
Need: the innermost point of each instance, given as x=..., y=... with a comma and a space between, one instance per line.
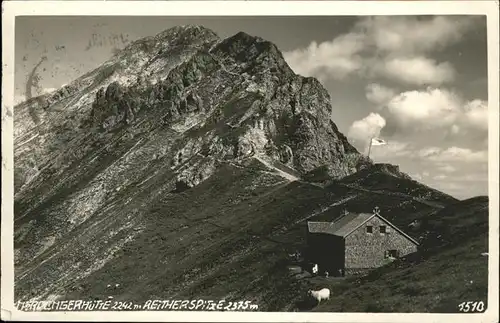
x=11, y=9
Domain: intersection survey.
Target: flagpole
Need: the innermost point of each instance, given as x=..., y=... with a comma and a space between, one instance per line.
x=370, y=147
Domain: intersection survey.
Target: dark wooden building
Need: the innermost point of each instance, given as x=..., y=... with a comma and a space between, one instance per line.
x=356, y=242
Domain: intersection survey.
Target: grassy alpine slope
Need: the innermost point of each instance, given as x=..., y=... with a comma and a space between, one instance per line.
x=229, y=238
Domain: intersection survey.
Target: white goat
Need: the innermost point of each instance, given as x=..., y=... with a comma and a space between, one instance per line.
x=320, y=294
x=315, y=269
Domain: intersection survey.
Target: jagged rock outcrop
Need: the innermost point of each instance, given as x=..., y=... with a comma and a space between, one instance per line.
x=389, y=169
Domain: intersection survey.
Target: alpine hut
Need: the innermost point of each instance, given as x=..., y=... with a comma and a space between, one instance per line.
x=356, y=243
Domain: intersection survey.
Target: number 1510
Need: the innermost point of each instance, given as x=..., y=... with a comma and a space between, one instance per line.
x=471, y=306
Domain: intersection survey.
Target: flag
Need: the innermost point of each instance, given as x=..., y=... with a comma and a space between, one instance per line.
x=378, y=142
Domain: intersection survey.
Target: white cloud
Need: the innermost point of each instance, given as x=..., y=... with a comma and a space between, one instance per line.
x=476, y=114
x=337, y=58
x=477, y=177
x=472, y=183
x=362, y=130
x=387, y=46
x=455, y=129
x=413, y=34
x=458, y=171
x=390, y=150
x=379, y=94
x=416, y=70
x=427, y=109
x=428, y=151
x=447, y=168
x=457, y=154
x=441, y=110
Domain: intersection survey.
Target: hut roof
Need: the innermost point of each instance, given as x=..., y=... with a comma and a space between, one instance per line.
x=341, y=226
x=347, y=224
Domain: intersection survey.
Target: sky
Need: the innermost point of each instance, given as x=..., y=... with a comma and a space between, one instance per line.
x=417, y=82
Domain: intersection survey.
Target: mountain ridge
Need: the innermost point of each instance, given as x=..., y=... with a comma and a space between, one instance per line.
x=218, y=47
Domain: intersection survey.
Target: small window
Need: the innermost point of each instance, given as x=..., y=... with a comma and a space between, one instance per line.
x=391, y=254
x=383, y=229
x=369, y=229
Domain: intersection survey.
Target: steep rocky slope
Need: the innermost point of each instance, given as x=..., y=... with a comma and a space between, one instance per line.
x=175, y=168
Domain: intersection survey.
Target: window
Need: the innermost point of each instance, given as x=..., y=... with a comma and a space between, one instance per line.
x=383, y=229
x=391, y=253
x=369, y=229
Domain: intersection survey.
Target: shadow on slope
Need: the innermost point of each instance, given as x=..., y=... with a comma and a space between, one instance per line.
x=227, y=238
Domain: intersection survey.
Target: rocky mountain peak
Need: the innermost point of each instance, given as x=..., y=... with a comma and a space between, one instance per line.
x=253, y=51
x=232, y=99
x=194, y=31
x=242, y=43
x=186, y=35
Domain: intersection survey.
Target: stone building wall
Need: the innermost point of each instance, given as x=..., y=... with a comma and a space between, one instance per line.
x=367, y=250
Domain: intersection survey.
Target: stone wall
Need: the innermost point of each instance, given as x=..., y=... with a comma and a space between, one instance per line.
x=367, y=250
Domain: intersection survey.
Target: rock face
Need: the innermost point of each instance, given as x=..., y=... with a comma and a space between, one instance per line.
x=159, y=118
